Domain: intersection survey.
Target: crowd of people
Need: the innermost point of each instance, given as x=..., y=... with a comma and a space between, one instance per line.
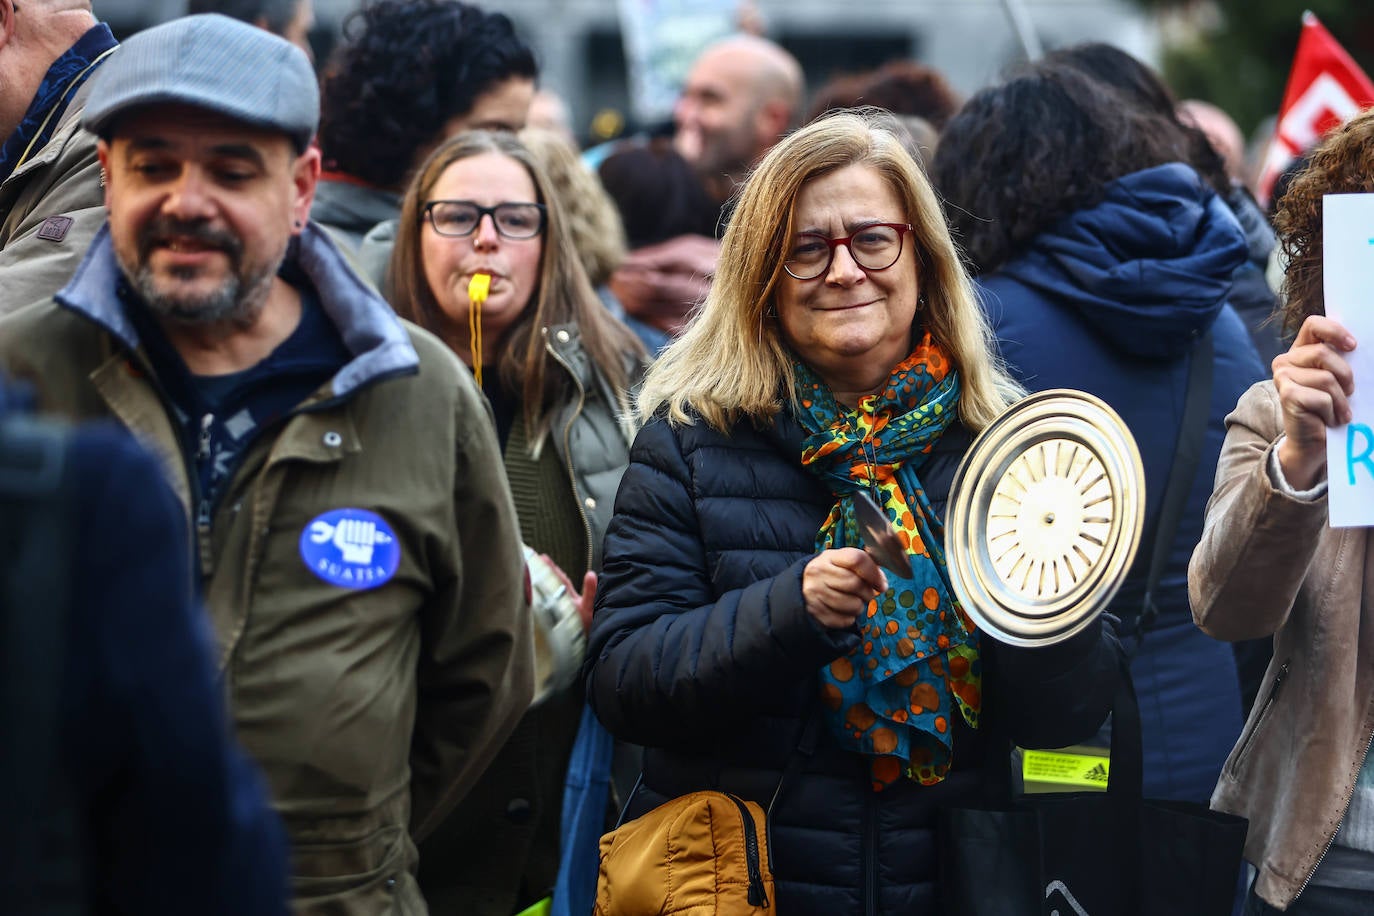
x=445, y=495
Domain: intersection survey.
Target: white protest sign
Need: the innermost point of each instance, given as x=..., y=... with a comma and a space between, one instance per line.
x=1348, y=283
x=662, y=39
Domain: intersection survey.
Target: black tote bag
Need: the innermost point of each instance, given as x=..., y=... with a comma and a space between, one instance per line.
x=1110, y=853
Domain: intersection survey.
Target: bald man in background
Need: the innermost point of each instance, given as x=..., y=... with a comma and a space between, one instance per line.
x=51, y=197
x=742, y=94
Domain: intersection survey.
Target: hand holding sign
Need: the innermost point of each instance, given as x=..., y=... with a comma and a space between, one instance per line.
x=1314, y=383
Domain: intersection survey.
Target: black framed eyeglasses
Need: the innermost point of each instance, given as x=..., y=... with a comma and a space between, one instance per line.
x=876, y=246
x=460, y=218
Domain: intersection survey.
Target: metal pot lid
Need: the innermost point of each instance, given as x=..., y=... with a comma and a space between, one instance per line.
x=1044, y=518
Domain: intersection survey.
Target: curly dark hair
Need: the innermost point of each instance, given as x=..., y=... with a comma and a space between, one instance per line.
x=1020, y=156
x=903, y=87
x=1343, y=163
x=1142, y=86
x=276, y=15
x=406, y=68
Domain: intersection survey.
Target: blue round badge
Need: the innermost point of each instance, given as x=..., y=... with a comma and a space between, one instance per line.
x=352, y=548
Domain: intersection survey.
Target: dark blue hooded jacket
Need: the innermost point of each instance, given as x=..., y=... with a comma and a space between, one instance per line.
x=1111, y=300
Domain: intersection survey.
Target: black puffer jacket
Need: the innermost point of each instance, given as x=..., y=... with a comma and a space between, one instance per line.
x=703, y=652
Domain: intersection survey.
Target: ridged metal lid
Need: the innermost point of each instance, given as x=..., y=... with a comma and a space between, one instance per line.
x=1045, y=517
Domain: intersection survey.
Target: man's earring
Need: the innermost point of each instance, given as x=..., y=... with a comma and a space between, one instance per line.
x=102, y=178
x=299, y=225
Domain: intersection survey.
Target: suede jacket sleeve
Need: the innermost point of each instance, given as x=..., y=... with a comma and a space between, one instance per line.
x=1258, y=542
x=669, y=658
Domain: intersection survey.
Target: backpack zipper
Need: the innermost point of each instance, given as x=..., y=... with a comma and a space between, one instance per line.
x=757, y=895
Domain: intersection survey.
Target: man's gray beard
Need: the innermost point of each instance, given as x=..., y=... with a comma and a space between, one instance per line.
x=233, y=304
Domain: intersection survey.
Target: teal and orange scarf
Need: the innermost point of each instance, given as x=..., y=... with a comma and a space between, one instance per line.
x=892, y=698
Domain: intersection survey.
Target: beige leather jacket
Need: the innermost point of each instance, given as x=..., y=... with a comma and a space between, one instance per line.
x=1269, y=564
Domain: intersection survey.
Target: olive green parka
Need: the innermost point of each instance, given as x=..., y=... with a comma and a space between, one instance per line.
x=371, y=710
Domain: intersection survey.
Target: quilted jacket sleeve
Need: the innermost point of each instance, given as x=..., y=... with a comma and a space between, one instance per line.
x=669, y=659
x=1054, y=696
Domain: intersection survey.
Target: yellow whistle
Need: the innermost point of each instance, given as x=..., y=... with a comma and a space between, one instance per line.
x=478, y=288
x=477, y=294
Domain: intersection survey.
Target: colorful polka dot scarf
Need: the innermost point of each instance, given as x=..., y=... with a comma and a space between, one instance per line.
x=892, y=698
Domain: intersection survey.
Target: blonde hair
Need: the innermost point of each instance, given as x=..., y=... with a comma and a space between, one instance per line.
x=731, y=361
x=592, y=218
x=563, y=294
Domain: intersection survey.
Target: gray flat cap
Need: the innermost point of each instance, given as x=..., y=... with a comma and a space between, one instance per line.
x=212, y=62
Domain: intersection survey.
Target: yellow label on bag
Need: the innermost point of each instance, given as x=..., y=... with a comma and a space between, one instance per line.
x=1086, y=770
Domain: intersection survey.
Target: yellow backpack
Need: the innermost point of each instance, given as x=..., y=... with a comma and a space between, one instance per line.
x=703, y=854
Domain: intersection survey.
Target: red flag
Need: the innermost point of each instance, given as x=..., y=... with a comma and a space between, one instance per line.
x=1326, y=88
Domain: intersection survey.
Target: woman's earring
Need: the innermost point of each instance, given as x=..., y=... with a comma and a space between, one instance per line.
x=768, y=312
x=920, y=303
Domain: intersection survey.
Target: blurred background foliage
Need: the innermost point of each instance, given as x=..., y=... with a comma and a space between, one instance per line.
x=1237, y=53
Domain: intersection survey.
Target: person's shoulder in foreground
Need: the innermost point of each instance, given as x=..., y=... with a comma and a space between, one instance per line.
x=169, y=814
x=188, y=827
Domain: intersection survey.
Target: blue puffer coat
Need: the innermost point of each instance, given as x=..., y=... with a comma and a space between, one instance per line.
x=1110, y=301
x=702, y=651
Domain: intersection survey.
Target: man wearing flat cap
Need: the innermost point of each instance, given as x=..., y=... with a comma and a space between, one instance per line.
x=357, y=546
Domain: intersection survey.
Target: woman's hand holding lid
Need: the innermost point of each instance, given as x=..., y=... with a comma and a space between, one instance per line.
x=837, y=586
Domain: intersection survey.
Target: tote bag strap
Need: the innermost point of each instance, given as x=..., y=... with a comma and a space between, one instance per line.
x=1127, y=766
x=1192, y=436
x=806, y=746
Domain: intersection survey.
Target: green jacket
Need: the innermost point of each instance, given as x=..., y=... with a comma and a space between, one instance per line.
x=369, y=710
x=513, y=858
x=592, y=433
x=61, y=180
